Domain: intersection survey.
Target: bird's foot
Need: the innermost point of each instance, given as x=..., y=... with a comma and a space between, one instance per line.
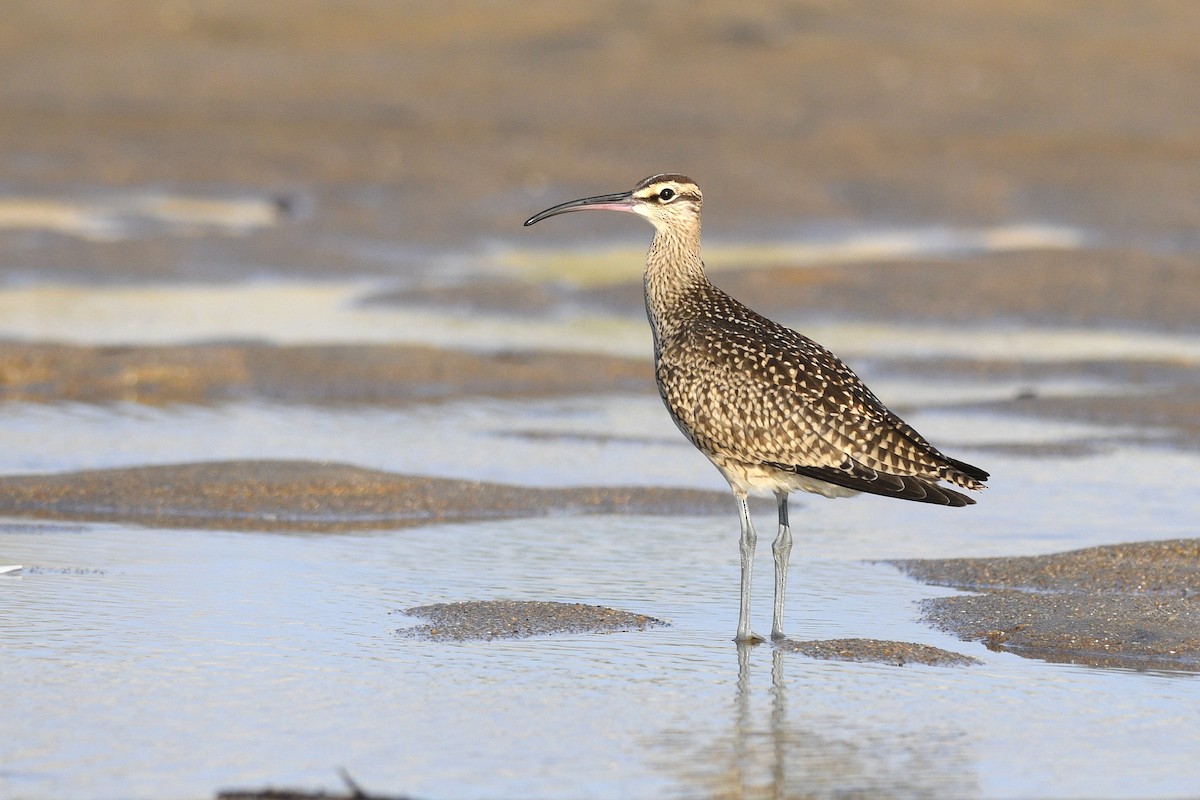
x=748, y=637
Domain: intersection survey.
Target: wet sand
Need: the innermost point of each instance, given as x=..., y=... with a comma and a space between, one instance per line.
x=516, y=619
x=1161, y=405
x=315, y=497
x=523, y=619
x=323, y=374
x=876, y=651
x=1131, y=605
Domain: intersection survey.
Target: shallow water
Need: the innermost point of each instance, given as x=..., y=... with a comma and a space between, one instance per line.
x=600, y=265
x=110, y=217
x=193, y=660
x=169, y=663
x=329, y=312
x=144, y=663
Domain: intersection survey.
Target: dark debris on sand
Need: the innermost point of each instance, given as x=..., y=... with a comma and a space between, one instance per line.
x=519, y=619
x=354, y=792
x=1130, y=605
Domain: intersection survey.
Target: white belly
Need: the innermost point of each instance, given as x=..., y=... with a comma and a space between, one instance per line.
x=747, y=479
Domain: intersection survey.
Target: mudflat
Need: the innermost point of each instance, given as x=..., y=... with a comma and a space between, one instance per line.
x=192, y=146
x=1129, y=605
x=307, y=496
x=371, y=138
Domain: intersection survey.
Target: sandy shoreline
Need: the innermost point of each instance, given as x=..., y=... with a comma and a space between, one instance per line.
x=1160, y=404
x=1130, y=605
x=391, y=375
x=314, y=497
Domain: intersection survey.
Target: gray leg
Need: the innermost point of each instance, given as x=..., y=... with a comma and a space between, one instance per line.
x=782, y=550
x=746, y=548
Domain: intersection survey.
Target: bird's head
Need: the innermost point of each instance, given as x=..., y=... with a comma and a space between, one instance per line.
x=668, y=201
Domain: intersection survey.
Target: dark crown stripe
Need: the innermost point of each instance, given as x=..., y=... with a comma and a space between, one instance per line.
x=667, y=177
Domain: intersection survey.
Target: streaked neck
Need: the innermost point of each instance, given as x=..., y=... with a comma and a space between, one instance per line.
x=674, y=270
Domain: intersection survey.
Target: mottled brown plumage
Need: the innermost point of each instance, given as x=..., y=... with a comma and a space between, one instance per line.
x=772, y=409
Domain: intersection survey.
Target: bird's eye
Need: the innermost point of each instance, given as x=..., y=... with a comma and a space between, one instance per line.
x=666, y=194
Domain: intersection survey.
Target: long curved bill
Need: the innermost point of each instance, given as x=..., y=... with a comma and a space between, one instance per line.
x=621, y=201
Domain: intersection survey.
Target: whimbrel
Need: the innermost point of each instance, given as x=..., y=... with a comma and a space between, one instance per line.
x=773, y=410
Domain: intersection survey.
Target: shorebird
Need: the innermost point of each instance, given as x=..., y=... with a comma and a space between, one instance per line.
x=773, y=410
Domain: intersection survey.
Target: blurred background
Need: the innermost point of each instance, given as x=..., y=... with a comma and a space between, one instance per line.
x=382, y=131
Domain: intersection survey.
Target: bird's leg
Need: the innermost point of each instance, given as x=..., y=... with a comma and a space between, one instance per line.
x=746, y=548
x=782, y=550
